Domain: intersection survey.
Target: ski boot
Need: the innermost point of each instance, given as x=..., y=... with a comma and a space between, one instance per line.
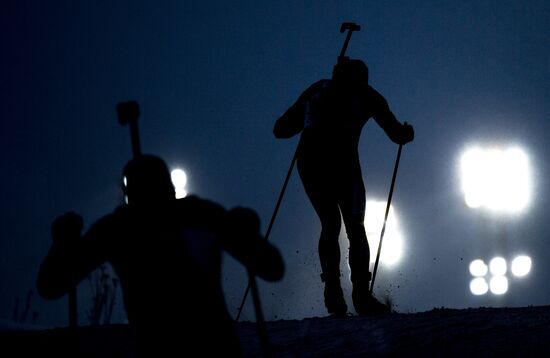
x=364, y=302
x=334, y=296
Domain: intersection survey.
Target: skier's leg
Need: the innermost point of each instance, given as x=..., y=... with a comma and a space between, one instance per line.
x=324, y=202
x=351, y=200
x=329, y=255
x=329, y=248
x=352, y=205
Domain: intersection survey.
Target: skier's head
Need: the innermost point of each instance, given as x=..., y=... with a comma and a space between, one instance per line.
x=348, y=72
x=147, y=181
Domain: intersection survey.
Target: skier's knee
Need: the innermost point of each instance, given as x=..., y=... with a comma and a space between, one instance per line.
x=330, y=229
x=360, y=276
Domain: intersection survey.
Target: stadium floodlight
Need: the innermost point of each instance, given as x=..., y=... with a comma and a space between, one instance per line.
x=478, y=286
x=498, y=285
x=521, y=266
x=496, y=274
x=495, y=178
x=498, y=266
x=478, y=268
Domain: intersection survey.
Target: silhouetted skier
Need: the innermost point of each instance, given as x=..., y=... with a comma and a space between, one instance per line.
x=331, y=114
x=167, y=254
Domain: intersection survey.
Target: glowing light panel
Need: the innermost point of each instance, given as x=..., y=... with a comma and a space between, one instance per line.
x=521, y=266
x=179, y=179
x=478, y=286
x=125, y=183
x=478, y=268
x=498, y=266
x=392, y=244
x=496, y=179
x=498, y=285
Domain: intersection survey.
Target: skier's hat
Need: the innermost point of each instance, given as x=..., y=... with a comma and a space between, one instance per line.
x=351, y=70
x=147, y=179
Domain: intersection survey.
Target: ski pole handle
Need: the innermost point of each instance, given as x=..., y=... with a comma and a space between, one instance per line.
x=350, y=26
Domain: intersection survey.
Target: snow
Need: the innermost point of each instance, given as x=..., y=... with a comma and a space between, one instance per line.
x=477, y=332
x=520, y=331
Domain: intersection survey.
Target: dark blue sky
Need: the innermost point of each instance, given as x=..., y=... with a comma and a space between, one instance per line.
x=212, y=77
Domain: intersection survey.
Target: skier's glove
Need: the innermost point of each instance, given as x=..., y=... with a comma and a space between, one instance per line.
x=407, y=133
x=66, y=228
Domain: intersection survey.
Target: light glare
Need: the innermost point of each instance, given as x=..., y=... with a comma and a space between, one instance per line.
x=521, y=266
x=498, y=266
x=499, y=285
x=179, y=180
x=478, y=268
x=478, y=286
x=392, y=249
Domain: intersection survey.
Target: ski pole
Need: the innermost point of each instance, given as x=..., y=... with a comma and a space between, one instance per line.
x=261, y=328
x=73, y=309
x=74, y=335
x=350, y=27
x=270, y=226
x=386, y=215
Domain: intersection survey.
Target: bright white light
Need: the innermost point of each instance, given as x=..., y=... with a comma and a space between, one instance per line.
x=521, y=266
x=179, y=179
x=498, y=285
x=478, y=268
x=392, y=244
x=497, y=179
x=478, y=286
x=498, y=266
x=125, y=183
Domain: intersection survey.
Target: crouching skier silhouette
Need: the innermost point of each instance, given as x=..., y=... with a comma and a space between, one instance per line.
x=330, y=114
x=167, y=254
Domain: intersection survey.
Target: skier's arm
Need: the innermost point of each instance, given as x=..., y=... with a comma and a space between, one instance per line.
x=292, y=121
x=397, y=132
x=238, y=231
x=244, y=242
x=70, y=258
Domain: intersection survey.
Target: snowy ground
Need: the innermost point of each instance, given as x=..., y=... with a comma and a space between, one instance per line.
x=441, y=332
